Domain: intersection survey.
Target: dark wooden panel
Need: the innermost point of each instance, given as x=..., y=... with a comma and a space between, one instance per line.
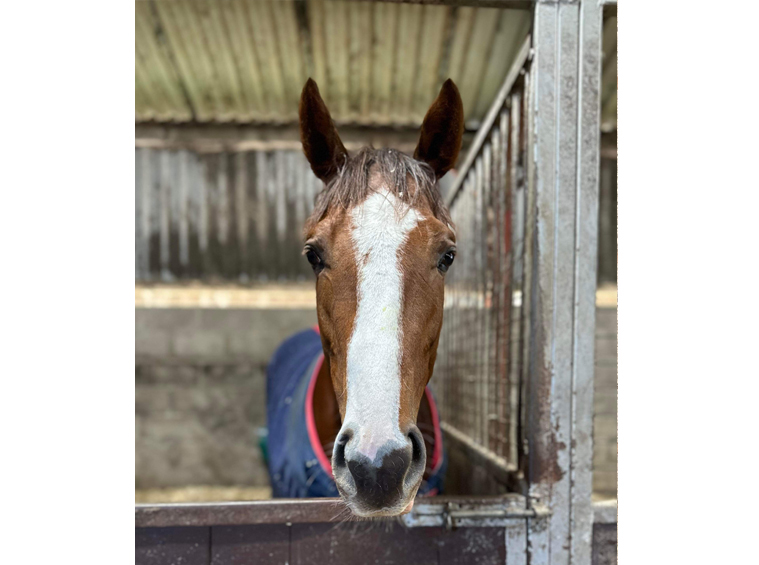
x=375, y=542
x=267, y=544
x=172, y=546
x=239, y=513
x=363, y=543
x=604, y=544
x=472, y=546
x=390, y=542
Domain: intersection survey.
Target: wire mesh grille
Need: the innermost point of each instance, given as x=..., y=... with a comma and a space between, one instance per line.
x=480, y=359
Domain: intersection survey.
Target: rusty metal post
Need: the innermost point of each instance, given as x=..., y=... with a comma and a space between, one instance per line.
x=564, y=99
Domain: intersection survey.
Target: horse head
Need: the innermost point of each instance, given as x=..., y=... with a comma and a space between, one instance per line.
x=380, y=241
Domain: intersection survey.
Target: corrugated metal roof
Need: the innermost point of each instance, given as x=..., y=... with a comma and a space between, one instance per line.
x=245, y=61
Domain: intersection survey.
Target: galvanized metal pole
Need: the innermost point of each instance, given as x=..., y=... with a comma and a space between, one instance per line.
x=565, y=112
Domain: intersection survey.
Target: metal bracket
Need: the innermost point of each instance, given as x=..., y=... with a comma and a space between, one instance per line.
x=453, y=515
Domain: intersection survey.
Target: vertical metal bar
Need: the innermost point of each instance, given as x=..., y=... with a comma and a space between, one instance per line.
x=281, y=194
x=516, y=303
x=195, y=180
x=211, y=264
x=565, y=202
x=138, y=183
x=516, y=542
x=529, y=244
x=164, y=215
x=477, y=287
x=538, y=541
x=175, y=196
x=184, y=211
x=263, y=184
x=471, y=337
x=203, y=212
x=542, y=464
x=561, y=370
x=505, y=311
x=241, y=211
x=222, y=202
x=495, y=283
x=586, y=245
x=485, y=291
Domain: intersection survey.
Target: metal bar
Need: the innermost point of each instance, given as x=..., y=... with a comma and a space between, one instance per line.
x=490, y=119
x=319, y=510
x=139, y=165
x=184, y=211
x=216, y=138
x=565, y=109
x=563, y=208
x=516, y=544
x=516, y=266
x=505, y=4
x=465, y=439
x=586, y=256
x=503, y=211
x=164, y=211
x=526, y=297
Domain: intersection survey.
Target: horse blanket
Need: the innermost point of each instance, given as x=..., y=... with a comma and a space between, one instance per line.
x=298, y=465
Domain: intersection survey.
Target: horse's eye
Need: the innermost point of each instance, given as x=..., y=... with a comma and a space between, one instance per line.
x=313, y=257
x=446, y=260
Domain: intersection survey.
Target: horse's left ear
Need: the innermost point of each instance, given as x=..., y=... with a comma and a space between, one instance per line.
x=442, y=130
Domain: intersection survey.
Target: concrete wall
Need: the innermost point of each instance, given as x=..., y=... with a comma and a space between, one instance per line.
x=200, y=394
x=605, y=404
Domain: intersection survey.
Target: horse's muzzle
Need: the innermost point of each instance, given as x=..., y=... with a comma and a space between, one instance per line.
x=384, y=485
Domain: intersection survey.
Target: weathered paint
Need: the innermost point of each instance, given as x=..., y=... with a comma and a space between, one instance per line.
x=565, y=110
x=552, y=131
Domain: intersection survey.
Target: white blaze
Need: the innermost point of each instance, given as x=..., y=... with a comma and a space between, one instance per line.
x=374, y=351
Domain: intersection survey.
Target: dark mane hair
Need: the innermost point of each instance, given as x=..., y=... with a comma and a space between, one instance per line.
x=351, y=185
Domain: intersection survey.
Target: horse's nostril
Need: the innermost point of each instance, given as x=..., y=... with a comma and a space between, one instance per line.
x=339, y=454
x=417, y=445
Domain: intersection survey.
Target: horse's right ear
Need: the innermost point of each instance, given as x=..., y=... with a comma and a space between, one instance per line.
x=321, y=143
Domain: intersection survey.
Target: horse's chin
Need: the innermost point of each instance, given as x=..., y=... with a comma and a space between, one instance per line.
x=383, y=512
x=361, y=512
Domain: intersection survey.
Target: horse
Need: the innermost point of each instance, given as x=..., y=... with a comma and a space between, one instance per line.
x=380, y=241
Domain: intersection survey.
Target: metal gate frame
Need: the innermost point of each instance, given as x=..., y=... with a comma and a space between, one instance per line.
x=561, y=73
x=566, y=128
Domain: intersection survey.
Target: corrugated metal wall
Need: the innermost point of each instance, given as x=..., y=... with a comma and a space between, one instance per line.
x=234, y=216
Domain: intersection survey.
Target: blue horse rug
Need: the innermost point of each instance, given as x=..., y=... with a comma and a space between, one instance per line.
x=298, y=464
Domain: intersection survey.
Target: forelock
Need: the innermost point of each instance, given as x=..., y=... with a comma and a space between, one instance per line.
x=410, y=180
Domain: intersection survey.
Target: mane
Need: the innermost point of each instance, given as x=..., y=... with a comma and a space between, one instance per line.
x=410, y=180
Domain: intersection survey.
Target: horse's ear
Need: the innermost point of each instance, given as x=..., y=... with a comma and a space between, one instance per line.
x=321, y=143
x=442, y=130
